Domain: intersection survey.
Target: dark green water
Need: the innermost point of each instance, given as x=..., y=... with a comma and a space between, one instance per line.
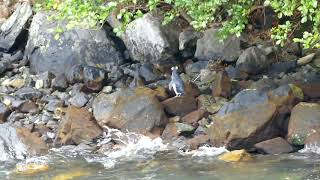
x=174, y=166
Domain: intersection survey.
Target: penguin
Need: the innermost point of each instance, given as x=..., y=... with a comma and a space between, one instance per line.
x=176, y=84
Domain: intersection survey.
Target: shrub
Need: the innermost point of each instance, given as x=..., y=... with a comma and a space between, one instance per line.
x=233, y=16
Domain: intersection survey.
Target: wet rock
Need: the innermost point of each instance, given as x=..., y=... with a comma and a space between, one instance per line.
x=175, y=129
x=253, y=116
x=11, y=146
x=28, y=93
x=135, y=110
x=4, y=112
x=198, y=141
x=180, y=106
x=28, y=107
x=59, y=83
x=74, y=47
x=35, y=145
x=148, y=40
x=304, y=121
x=253, y=61
x=236, y=156
x=79, y=100
x=274, y=146
x=209, y=47
x=77, y=126
x=222, y=85
x=312, y=142
x=310, y=89
x=13, y=31
x=194, y=116
x=31, y=168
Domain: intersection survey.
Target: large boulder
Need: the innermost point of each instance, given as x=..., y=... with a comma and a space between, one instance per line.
x=253, y=116
x=304, y=121
x=148, y=40
x=129, y=110
x=209, y=47
x=14, y=30
x=77, y=126
x=73, y=47
x=180, y=105
x=19, y=143
x=253, y=60
x=274, y=146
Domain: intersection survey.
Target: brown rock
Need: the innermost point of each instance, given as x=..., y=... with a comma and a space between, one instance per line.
x=222, y=85
x=170, y=131
x=4, y=12
x=311, y=90
x=191, y=89
x=194, y=116
x=135, y=110
x=243, y=128
x=4, y=112
x=77, y=126
x=34, y=143
x=197, y=141
x=160, y=93
x=274, y=146
x=180, y=106
x=304, y=120
x=28, y=107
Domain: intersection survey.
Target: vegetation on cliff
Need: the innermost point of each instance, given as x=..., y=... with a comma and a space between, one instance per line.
x=295, y=20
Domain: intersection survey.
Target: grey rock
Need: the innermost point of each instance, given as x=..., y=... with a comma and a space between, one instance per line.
x=209, y=47
x=53, y=104
x=147, y=72
x=59, y=83
x=14, y=29
x=253, y=61
x=28, y=93
x=195, y=68
x=77, y=46
x=79, y=100
x=149, y=41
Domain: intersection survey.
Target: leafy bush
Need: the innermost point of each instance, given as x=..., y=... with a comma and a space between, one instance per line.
x=233, y=16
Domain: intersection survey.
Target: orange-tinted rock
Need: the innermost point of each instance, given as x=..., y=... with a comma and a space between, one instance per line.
x=33, y=142
x=222, y=85
x=191, y=89
x=194, y=116
x=77, y=126
x=197, y=141
x=28, y=107
x=180, y=106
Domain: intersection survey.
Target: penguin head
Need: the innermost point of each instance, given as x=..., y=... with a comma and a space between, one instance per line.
x=174, y=68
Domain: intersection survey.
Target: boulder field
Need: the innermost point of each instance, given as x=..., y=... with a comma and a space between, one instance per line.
x=74, y=89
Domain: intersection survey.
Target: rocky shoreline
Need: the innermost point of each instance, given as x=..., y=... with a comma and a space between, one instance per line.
x=242, y=94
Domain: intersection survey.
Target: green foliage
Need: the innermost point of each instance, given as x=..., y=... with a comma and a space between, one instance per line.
x=233, y=16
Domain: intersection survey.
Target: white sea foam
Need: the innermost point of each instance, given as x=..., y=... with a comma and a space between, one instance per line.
x=133, y=146
x=312, y=148
x=206, y=151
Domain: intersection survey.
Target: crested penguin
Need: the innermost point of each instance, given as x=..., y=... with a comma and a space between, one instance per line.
x=176, y=84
